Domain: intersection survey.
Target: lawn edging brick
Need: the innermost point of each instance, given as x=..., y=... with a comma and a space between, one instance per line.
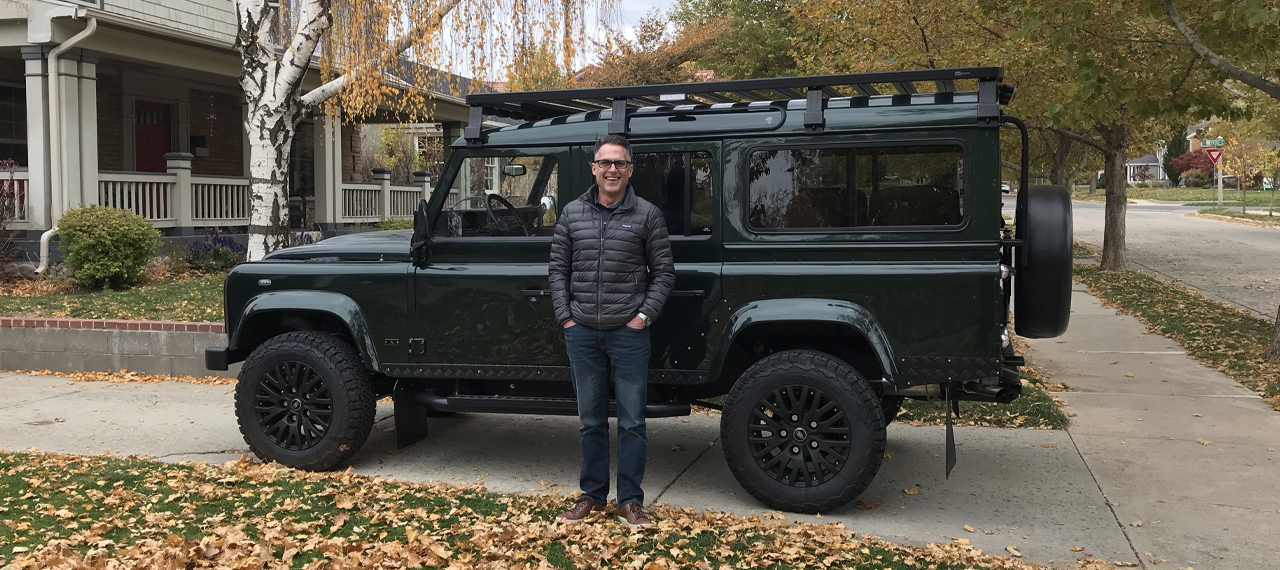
x=101, y=345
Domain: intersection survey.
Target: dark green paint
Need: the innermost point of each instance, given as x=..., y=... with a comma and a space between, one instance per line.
x=908, y=292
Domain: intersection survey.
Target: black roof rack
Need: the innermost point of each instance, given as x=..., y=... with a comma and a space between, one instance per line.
x=539, y=105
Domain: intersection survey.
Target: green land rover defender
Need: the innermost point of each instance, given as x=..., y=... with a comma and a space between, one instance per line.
x=839, y=246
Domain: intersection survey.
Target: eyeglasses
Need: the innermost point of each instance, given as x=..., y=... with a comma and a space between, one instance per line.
x=606, y=164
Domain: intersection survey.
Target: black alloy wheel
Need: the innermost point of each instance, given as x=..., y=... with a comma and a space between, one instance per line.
x=802, y=431
x=799, y=436
x=304, y=399
x=293, y=405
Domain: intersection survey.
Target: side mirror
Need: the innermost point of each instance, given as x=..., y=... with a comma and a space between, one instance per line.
x=514, y=170
x=418, y=250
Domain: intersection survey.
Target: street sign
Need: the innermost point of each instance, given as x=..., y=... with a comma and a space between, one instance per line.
x=1214, y=154
x=1214, y=143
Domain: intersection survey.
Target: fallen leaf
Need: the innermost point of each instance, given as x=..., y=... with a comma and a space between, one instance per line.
x=1013, y=549
x=866, y=505
x=888, y=454
x=1129, y=374
x=990, y=531
x=1077, y=548
x=968, y=528
x=1203, y=441
x=1197, y=415
x=1048, y=445
x=911, y=491
x=1135, y=523
x=963, y=541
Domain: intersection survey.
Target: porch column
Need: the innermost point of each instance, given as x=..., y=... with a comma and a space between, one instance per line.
x=328, y=171
x=179, y=165
x=78, y=110
x=37, y=84
x=382, y=176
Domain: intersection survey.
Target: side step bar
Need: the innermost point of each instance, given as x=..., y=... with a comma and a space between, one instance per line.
x=531, y=405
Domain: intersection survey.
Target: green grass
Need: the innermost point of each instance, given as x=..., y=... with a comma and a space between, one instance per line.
x=194, y=300
x=1221, y=336
x=1034, y=409
x=1082, y=249
x=1265, y=216
x=1255, y=198
x=135, y=513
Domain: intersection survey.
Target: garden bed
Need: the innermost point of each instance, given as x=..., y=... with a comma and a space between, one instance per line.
x=192, y=298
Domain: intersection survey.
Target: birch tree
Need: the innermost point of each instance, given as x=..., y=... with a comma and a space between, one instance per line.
x=358, y=47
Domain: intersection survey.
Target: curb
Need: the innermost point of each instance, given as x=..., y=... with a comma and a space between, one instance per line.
x=1241, y=221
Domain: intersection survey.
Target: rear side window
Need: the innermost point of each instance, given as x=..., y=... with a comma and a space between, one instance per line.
x=852, y=187
x=680, y=184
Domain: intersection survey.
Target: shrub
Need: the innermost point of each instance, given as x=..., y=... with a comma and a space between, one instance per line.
x=396, y=224
x=216, y=254
x=175, y=256
x=106, y=246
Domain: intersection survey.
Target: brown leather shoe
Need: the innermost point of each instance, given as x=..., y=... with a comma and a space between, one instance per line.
x=632, y=515
x=580, y=511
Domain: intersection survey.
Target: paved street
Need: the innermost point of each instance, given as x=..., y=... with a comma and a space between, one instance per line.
x=1230, y=262
x=1132, y=455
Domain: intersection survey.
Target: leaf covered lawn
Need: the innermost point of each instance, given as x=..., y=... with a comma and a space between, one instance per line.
x=104, y=512
x=196, y=299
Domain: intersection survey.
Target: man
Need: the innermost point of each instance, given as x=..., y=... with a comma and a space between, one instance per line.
x=611, y=271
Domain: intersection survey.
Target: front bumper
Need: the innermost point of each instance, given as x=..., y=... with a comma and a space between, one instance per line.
x=217, y=358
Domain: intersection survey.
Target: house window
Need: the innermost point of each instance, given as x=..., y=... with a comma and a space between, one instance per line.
x=13, y=123
x=842, y=188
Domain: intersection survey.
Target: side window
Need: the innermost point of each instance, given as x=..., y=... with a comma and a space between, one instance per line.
x=502, y=196
x=680, y=184
x=839, y=188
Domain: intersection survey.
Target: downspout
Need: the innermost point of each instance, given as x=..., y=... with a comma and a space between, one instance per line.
x=55, y=136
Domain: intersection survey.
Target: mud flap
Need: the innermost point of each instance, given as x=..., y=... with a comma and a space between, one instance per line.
x=410, y=416
x=951, y=437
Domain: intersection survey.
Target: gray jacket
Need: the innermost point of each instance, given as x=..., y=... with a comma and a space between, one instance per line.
x=603, y=276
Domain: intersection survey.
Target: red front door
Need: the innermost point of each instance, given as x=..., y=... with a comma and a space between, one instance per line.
x=152, y=135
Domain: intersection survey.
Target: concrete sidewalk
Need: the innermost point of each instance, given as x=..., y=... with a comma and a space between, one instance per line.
x=1133, y=445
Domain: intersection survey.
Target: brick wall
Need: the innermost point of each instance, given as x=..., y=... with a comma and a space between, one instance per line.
x=217, y=117
x=110, y=121
x=352, y=169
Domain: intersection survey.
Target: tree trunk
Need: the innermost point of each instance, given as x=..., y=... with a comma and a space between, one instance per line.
x=271, y=131
x=1058, y=173
x=1273, y=351
x=1116, y=139
x=1093, y=184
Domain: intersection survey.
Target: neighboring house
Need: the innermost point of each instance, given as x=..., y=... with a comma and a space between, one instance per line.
x=158, y=78
x=1149, y=168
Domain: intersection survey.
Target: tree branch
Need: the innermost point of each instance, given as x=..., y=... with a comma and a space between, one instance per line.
x=1018, y=167
x=314, y=20
x=1095, y=143
x=1252, y=80
x=1185, y=75
x=403, y=43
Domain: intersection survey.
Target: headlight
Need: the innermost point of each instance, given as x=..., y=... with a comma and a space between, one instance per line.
x=1005, y=341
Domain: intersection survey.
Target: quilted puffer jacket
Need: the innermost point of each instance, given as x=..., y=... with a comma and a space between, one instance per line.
x=603, y=275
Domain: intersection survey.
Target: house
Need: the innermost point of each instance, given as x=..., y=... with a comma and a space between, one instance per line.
x=1149, y=168
x=145, y=112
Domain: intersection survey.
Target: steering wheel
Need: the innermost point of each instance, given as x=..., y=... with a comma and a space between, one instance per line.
x=493, y=217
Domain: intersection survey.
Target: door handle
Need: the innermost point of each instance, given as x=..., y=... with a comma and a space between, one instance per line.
x=536, y=292
x=694, y=293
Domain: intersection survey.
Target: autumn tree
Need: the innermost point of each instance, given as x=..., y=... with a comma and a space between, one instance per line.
x=1175, y=145
x=656, y=55
x=353, y=44
x=536, y=66
x=757, y=38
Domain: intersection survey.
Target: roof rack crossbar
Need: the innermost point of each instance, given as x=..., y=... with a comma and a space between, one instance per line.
x=815, y=90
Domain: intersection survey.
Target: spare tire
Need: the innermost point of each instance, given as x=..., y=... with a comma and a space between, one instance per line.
x=1042, y=279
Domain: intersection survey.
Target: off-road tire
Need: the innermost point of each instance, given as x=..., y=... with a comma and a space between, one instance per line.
x=350, y=387
x=838, y=381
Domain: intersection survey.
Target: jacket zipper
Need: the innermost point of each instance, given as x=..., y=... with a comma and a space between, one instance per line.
x=600, y=268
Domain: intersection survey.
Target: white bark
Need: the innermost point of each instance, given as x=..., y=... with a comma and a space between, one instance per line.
x=272, y=83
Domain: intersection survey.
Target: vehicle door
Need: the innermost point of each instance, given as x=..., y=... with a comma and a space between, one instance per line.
x=483, y=295
x=683, y=180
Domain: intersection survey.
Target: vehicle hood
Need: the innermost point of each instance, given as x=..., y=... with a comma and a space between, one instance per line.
x=391, y=245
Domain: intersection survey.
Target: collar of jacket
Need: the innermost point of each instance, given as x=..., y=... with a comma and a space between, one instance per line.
x=628, y=200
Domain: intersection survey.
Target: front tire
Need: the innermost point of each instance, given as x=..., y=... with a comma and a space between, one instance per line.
x=305, y=400
x=802, y=431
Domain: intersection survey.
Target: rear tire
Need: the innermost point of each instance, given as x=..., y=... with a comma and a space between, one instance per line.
x=802, y=431
x=305, y=400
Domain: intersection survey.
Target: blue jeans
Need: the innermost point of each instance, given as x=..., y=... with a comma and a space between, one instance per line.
x=593, y=355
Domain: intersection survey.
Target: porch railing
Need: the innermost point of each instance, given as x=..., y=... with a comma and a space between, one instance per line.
x=149, y=195
x=366, y=202
x=220, y=201
x=13, y=195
